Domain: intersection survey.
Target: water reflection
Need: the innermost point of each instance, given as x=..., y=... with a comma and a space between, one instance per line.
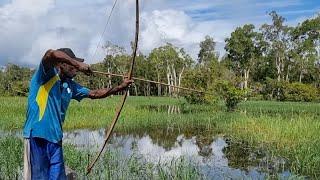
x=216, y=159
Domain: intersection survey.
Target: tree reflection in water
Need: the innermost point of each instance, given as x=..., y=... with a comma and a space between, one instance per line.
x=215, y=156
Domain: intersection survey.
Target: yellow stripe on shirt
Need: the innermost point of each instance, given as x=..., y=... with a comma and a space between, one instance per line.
x=43, y=94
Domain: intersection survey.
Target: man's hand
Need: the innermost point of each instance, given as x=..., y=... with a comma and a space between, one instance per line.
x=85, y=68
x=126, y=83
x=105, y=92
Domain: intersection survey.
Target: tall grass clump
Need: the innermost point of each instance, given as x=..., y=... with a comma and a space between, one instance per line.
x=295, y=139
x=11, y=158
x=12, y=113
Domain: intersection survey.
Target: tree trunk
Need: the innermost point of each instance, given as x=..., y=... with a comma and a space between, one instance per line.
x=169, y=80
x=278, y=66
x=288, y=72
x=174, y=80
x=246, y=78
x=109, y=76
x=302, y=70
x=180, y=78
x=159, y=85
x=136, y=90
x=282, y=67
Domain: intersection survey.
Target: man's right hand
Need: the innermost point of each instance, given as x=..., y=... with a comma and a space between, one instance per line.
x=85, y=68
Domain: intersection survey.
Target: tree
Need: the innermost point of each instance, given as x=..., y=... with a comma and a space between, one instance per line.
x=158, y=66
x=144, y=68
x=277, y=37
x=172, y=61
x=205, y=73
x=243, y=49
x=207, y=51
x=306, y=39
x=111, y=51
x=15, y=80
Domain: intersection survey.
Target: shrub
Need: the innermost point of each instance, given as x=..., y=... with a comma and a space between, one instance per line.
x=195, y=98
x=285, y=91
x=273, y=90
x=300, y=92
x=231, y=95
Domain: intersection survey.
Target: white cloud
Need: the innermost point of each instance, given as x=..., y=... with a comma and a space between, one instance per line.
x=167, y=26
x=22, y=9
x=178, y=28
x=29, y=27
x=19, y=26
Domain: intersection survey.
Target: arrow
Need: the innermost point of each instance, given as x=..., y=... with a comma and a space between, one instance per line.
x=150, y=81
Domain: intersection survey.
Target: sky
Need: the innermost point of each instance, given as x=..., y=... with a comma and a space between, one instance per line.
x=30, y=27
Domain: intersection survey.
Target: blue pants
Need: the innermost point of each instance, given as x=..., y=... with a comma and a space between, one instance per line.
x=46, y=160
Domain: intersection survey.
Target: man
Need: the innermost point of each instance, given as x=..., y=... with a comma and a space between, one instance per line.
x=51, y=89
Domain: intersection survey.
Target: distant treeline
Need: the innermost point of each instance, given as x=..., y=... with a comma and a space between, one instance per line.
x=273, y=62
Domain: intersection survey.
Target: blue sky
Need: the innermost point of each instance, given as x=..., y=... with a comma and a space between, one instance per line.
x=29, y=27
x=290, y=9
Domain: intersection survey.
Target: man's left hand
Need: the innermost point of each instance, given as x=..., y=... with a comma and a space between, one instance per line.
x=126, y=83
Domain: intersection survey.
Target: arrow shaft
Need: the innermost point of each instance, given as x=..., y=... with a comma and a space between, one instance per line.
x=150, y=81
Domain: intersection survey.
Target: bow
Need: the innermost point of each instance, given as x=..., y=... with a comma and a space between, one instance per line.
x=124, y=97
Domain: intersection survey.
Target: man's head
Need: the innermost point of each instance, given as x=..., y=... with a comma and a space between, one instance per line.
x=66, y=70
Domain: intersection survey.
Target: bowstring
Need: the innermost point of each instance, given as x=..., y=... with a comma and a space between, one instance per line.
x=105, y=29
x=99, y=42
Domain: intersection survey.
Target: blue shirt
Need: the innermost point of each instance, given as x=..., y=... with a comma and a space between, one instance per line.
x=48, y=101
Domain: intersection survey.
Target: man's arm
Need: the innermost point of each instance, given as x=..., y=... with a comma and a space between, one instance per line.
x=52, y=57
x=105, y=92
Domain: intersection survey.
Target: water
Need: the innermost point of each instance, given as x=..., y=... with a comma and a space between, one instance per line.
x=217, y=159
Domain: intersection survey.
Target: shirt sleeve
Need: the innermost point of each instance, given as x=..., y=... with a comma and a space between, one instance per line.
x=44, y=76
x=79, y=92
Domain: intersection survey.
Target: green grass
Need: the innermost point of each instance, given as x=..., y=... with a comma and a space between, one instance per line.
x=286, y=129
x=118, y=167
x=11, y=158
x=12, y=112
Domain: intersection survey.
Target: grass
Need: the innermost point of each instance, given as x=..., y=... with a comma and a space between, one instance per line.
x=11, y=157
x=118, y=167
x=286, y=129
x=296, y=139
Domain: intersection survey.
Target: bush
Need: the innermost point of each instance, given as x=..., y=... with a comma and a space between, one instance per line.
x=255, y=93
x=195, y=98
x=300, y=92
x=196, y=79
x=273, y=90
x=231, y=95
x=285, y=91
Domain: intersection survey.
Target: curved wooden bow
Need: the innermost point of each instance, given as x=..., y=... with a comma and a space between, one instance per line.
x=124, y=97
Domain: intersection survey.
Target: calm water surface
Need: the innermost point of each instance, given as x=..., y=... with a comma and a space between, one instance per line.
x=217, y=159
